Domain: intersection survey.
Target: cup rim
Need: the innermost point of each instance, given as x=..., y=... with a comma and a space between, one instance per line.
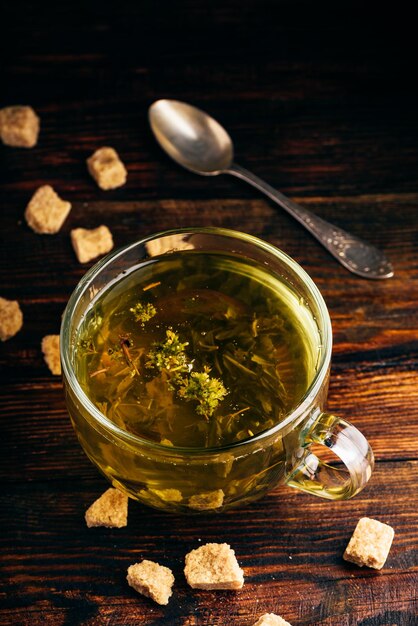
x=298, y=411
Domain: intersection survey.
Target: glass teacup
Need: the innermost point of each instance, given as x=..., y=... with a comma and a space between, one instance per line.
x=200, y=479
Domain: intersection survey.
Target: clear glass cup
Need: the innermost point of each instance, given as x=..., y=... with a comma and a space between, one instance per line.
x=191, y=480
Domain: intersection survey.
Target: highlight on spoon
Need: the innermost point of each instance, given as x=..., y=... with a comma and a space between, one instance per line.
x=364, y=259
x=191, y=137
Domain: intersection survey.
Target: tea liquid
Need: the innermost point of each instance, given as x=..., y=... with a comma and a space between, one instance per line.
x=196, y=349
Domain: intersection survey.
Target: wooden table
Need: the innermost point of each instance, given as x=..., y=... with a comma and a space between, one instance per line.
x=320, y=107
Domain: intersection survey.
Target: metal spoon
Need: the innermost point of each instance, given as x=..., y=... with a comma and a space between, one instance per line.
x=197, y=142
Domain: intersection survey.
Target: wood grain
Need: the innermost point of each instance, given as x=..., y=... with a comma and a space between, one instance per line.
x=70, y=565
x=322, y=108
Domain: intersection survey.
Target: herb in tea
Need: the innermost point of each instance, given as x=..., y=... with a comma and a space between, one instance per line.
x=197, y=350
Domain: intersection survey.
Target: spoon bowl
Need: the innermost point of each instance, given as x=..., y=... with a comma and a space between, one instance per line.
x=199, y=143
x=191, y=137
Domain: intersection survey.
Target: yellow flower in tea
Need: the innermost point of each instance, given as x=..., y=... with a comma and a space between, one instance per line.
x=170, y=354
x=143, y=311
x=206, y=390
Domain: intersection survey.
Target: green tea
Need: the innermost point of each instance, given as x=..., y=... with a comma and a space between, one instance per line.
x=197, y=349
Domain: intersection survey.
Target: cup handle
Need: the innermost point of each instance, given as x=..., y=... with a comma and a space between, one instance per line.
x=333, y=482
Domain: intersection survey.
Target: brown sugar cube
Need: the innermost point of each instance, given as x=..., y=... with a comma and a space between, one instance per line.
x=91, y=243
x=51, y=349
x=168, y=495
x=107, y=169
x=271, y=619
x=152, y=580
x=11, y=318
x=207, y=501
x=46, y=211
x=19, y=126
x=110, y=510
x=213, y=566
x=370, y=543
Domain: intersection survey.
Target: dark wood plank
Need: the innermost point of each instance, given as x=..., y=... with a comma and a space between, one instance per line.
x=52, y=260
x=290, y=551
x=382, y=405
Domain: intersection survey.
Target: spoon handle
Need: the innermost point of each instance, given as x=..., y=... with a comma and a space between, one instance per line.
x=356, y=255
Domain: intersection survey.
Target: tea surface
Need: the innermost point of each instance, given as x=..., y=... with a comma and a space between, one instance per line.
x=197, y=350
